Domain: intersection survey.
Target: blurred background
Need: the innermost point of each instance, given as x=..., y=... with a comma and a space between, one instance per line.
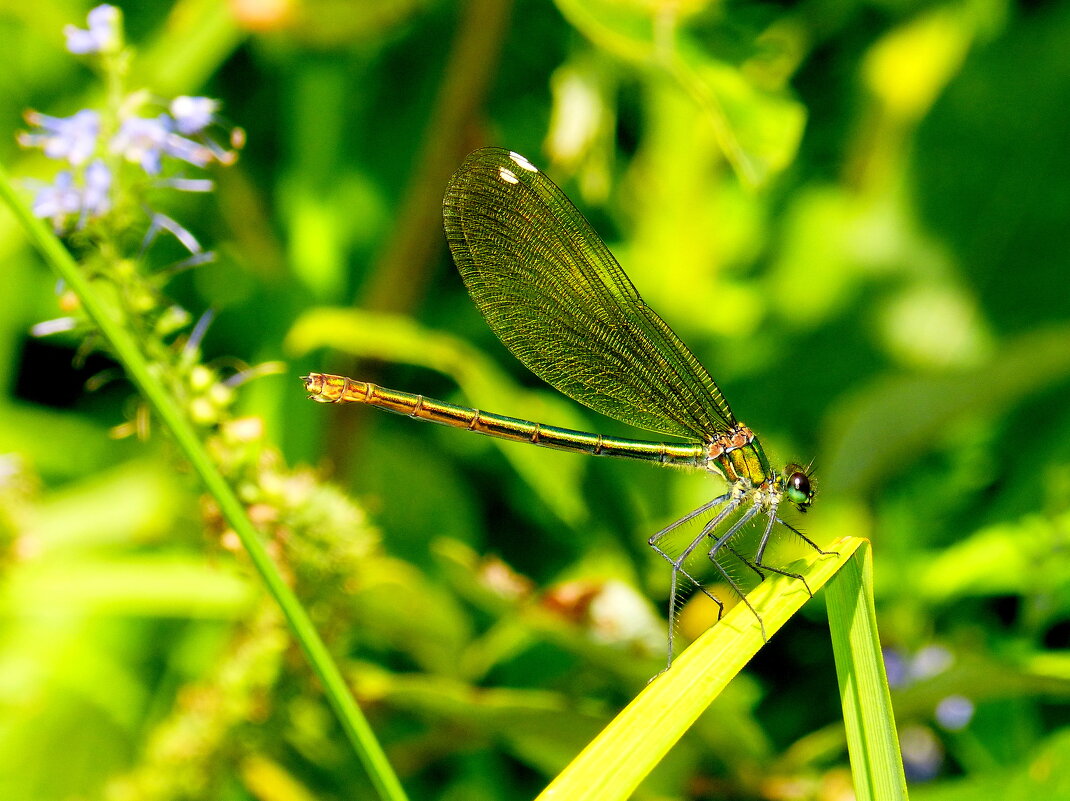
x=855, y=214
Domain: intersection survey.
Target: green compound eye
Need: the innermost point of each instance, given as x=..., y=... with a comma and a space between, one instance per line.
x=798, y=488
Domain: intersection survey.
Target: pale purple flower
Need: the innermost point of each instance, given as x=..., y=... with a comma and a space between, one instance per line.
x=96, y=198
x=103, y=34
x=72, y=138
x=49, y=327
x=896, y=668
x=189, y=151
x=145, y=140
x=96, y=192
x=193, y=114
x=923, y=754
x=58, y=200
x=161, y=222
x=87, y=191
x=140, y=140
x=62, y=199
x=188, y=184
x=955, y=712
x=930, y=661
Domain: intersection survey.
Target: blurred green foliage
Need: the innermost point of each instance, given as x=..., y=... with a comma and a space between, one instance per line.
x=855, y=214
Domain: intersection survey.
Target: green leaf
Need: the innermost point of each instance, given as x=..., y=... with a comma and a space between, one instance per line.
x=918, y=408
x=757, y=128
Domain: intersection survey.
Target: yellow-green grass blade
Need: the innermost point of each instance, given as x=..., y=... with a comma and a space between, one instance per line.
x=627, y=750
x=876, y=763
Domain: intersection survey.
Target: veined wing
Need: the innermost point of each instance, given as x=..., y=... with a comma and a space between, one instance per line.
x=553, y=293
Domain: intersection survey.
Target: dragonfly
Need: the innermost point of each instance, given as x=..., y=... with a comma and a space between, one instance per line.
x=556, y=297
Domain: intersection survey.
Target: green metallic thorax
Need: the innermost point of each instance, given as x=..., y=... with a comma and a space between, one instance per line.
x=749, y=462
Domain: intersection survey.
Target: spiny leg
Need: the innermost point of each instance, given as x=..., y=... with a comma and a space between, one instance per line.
x=759, y=567
x=746, y=561
x=674, y=582
x=724, y=573
x=689, y=516
x=678, y=568
x=806, y=539
x=759, y=564
x=677, y=563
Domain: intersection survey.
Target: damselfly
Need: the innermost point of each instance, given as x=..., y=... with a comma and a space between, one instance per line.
x=557, y=298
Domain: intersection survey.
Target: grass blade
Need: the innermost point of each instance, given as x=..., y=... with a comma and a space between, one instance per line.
x=876, y=763
x=620, y=757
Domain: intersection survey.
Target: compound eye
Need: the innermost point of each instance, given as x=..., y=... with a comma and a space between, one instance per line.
x=799, y=490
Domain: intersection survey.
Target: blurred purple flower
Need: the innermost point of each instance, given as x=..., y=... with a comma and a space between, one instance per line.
x=48, y=327
x=161, y=222
x=955, y=712
x=923, y=755
x=189, y=151
x=188, y=184
x=930, y=661
x=72, y=138
x=193, y=114
x=102, y=36
x=145, y=140
x=96, y=198
x=58, y=200
x=896, y=667
x=140, y=140
x=62, y=198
